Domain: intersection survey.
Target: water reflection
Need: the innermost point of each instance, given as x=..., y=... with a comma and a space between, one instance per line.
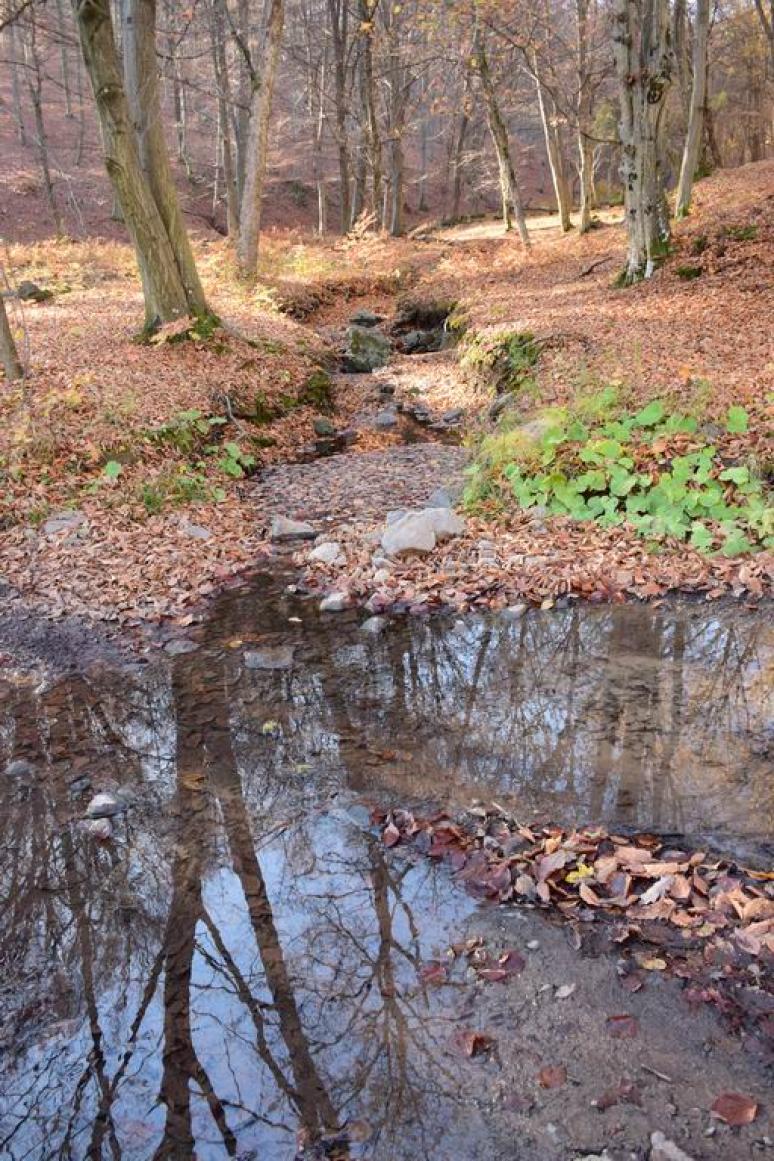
x=236, y=975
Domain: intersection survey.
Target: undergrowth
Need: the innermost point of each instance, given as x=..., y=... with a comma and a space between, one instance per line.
x=653, y=470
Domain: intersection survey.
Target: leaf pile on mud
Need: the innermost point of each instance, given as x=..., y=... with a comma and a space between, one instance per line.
x=701, y=918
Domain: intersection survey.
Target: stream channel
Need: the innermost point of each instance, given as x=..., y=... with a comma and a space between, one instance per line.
x=237, y=973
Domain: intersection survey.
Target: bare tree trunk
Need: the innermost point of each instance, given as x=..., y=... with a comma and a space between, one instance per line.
x=458, y=155
x=63, y=58
x=367, y=10
x=9, y=356
x=548, y=118
x=767, y=24
x=585, y=100
x=165, y=295
x=222, y=81
x=258, y=143
x=338, y=14
x=141, y=70
x=15, y=86
x=644, y=62
x=695, y=134
x=35, y=88
x=509, y=186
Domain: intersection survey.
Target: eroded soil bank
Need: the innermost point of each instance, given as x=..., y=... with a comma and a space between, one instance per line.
x=242, y=968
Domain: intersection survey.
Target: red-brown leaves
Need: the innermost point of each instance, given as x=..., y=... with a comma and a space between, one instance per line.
x=553, y=1076
x=623, y=1027
x=469, y=1043
x=734, y=1108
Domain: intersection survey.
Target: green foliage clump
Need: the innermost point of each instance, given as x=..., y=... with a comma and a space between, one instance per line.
x=688, y=273
x=186, y=430
x=741, y=233
x=618, y=470
x=505, y=359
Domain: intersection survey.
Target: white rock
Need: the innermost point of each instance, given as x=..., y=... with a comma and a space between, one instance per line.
x=269, y=657
x=68, y=521
x=100, y=828
x=327, y=553
x=662, y=1149
x=396, y=514
x=374, y=626
x=445, y=522
x=334, y=603
x=284, y=529
x=382, y=575
x=514, y=612
x=414, y=532
x=195, y=531
x=104, y=806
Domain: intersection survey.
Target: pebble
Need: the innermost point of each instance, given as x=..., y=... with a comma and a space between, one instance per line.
x=533, y=945
x=20, y=768
x=381, y=576
x=270, y=657
x=514, y=612
x=662, y=1149
x=283, y=528
x=329, y=552
x=67, y=521
x=385, y=420
x=374, y=626
x=100, y=828
x=196, y=531
x=180, y=645
x=105, y=806
x=334, y=603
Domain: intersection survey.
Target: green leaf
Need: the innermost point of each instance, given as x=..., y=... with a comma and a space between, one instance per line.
x=650, y=415
x=737, y=544
x=737, y=420
x=701, y=537
x=740, y=475
x=113, y=469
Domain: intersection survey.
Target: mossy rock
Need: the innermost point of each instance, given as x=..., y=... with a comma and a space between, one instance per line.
x=317, y=392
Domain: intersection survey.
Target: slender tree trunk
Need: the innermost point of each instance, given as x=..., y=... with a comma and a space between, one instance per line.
x=165, y=295
x=338, y=14
x=15, y=86
x=367, y=12
x=222, y=81
x=63, y=58
x=548, y=118
x=644, y=62
x=141, y=70
x=509, y=186
x=35, y=88
x=458, y=154
x=584, y=115
x=258, y=143
x=695, y=134
x=9, y=356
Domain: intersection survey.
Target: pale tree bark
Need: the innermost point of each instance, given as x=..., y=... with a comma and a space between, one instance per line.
x=766, y=17
x=163, y=289
x=258, y=142
x=338, y=16
x=513, y=208
x=141, y=73
x=644, y=63
x=64, y=58
x=549, y=120
x=35, y=88
x=695, y=134
x=367, y=14
x=9, y=356
x=458, y=149
x=15, y=86
x=585, y=111
x=223, y=84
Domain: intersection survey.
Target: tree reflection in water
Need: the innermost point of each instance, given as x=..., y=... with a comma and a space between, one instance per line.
x=240, y=965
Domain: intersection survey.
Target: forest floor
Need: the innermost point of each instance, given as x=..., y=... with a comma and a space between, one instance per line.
x=139, y=479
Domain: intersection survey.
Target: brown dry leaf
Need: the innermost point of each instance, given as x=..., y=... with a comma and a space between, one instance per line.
x=734, y=1108
x=652, y=963
x=467, y=1042
x=434, y=973
x=589, y=895
x=623, y=1027
x=554, y=1076
x=549, y=864
x=391, y=835
x=605, y=867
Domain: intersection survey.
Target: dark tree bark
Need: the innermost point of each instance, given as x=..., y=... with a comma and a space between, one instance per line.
x=9, y=356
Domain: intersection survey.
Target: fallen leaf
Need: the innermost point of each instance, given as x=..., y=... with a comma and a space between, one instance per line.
x=734, y=1108
x=652, y=963
x=391, y=835
x=552, y=1077
x=623, y=1027
x=469, y=1043
x=512, y=962
x=564, y=992
x=433, y=973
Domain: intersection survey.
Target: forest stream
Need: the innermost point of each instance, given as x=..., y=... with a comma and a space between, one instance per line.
x=238, y=971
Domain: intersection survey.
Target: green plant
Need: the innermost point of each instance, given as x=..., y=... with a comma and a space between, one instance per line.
x=186, y=430
x=741, y=233
x=234, y=462
x=688, y=273
x=505, y=359
x=616, y=472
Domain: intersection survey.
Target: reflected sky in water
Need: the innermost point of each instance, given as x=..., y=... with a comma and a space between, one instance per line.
x=240, y=966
